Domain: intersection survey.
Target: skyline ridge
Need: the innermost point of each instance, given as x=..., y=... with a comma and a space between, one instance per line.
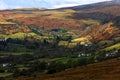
x=13, y=4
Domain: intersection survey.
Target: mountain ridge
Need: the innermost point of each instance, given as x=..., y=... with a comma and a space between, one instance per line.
x=12, y=4
x=95, y=5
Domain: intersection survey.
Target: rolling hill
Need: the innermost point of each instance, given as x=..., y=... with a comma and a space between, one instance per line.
x=80, y=20
x=106, y=70
x=95, y=21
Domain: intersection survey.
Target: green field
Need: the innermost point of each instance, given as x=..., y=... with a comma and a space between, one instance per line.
x=5, y=74
x=19, y=35
x=116, y=46
x=13, y=53
x=63, y=60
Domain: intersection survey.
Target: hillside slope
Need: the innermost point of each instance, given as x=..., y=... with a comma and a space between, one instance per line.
x=106, y=70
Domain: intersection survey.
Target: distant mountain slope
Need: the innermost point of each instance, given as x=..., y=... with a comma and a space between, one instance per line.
x=113, y=10
x=95, y=5
x=103, y=11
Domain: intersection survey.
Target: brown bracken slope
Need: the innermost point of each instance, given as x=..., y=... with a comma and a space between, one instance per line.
x=106, y=70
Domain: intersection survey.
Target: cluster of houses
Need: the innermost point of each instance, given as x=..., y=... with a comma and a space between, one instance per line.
x=5, y=65
x=84, y=55
x=113, y=54
x=3, y=39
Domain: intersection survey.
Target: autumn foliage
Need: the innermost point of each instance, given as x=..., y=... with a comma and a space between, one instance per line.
x=13, y=28
x=51, y=23
x=101, y=32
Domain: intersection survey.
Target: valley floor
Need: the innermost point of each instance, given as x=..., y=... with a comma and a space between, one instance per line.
x=106, y=70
